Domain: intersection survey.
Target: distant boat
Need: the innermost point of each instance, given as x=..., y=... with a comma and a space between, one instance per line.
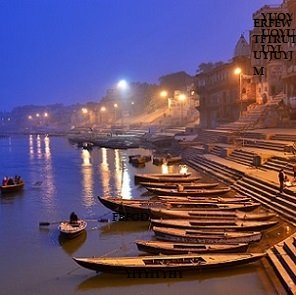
x=10, y=188
x=70, y=230
x=185, y=262
x=171, y=248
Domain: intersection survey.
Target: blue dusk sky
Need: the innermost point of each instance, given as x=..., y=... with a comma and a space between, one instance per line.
x=72, y=51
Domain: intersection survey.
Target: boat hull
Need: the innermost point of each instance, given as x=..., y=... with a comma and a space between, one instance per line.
x=71, y=231
x=131, y=265
x=205, y=237
x=170, y=248
x=12, y=188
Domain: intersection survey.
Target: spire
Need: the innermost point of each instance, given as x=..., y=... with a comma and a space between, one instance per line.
x=242, y=48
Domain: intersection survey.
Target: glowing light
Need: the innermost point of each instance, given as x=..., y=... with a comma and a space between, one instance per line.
x=183, y=169
x=164, y=168
x=182, y=97
x=237, y=71
x=163, y=93
x=103, y=109
x=30, y=117
x=122, y=84
x=84, y=110
x=37, y=115
x=115, y=105
x=45, y=115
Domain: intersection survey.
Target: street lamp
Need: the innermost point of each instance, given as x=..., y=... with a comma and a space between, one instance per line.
x=102, y=110
x=122, y=85
x=84, y=110
x=115, y=111
x=182, y=98
x=238, y=71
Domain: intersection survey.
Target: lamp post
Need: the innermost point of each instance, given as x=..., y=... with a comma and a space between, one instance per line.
x=102, y=111
x=122, y=85
x=238, y=71
x=115, y=111
x=182, y=98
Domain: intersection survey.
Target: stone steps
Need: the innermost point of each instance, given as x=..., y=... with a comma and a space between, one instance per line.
x=282, y=258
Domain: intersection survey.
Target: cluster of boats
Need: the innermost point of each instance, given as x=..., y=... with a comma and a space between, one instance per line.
x=196, y=226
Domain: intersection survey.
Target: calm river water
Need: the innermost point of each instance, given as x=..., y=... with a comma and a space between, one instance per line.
x=60, y=178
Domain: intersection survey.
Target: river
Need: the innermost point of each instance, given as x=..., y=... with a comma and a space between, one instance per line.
x=60, y=178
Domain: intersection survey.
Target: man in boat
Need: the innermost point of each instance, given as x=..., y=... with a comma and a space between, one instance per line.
x=73, y=218
x=10, y=181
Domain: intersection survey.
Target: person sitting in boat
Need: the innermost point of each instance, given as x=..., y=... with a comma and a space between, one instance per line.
x=4, y=181
x=17, y=179
x=10, y=181
x=73, y=218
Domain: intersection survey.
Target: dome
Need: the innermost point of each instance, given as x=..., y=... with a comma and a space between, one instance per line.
x=242, y=47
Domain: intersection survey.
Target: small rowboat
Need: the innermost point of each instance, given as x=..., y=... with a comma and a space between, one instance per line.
x=188, y=192
x=12, y=187
x=171, y=248
x=190, y=185
x=71, y=231
x=194, y=214
x=205, y=236
x=233, y=224
x=133, y=265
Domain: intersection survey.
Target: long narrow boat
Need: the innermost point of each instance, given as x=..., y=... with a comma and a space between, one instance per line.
x=191, y=214
x=12, y=187
x=215, y=199
x=171, y=248
x=188, y=192
x=142, y=207
x=133, y=207
x=185, y=185
x=234, y=224
x=71, y=231
x=134, y=265
x=205, y=236
x=175, y=177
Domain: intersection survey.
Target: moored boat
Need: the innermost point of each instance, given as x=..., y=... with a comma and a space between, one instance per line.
x=188, y=192
x=10, y=188
x=169, y=185
x=186, y=262
x=194, y=214
x=169, y=177
x=233, y=224
x=205, y=236
x=72, y=230
x=215, y=199
x=140, y=209
x=171, y=248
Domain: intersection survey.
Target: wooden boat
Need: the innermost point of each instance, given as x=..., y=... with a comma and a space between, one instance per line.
x=192, y=262
x=234, y=224
x=205, y=236
x=171, y=248
x=194, y=214
x=190, y=185
x=71, y=231
x=142, y=207
x=215, y=199
x=11, y=188
x=188, y=192
x=170, y=177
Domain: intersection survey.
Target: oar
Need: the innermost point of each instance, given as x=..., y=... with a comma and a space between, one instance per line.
x=46, y=223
